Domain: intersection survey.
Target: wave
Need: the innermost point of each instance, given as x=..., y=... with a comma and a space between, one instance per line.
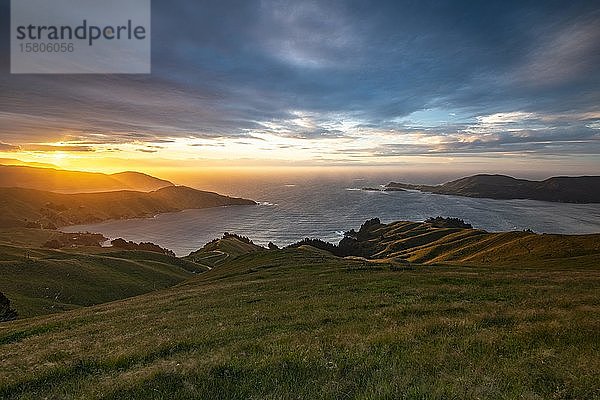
x=368, y=190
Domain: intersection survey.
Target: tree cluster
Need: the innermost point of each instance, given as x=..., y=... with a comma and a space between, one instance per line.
x=6, y=313
x=441, y=222
x=144, y=246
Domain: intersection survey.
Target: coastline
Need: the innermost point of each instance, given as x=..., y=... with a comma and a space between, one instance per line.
x=148, y=217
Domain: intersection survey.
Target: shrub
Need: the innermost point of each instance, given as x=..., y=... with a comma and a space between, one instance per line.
x=369, y=224
x=6, y=313
x=144, y=246
x=352, y=244
x=227, y=235
x=53, y=244
x=441, y=222
x=317, y=243
x=238, y=237
x=51, y=226
x=74, y=239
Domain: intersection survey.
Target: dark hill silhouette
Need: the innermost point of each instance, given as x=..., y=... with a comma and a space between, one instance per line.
x=565, y=189
x=58, y=180
x=35, y=208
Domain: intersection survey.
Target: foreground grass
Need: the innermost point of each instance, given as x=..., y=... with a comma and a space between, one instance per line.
x=301, y=324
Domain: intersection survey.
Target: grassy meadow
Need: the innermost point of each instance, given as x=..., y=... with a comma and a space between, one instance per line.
x=303, y=324
x=40, y=281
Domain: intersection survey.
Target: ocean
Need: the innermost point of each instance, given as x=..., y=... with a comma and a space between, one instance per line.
x=294, y=208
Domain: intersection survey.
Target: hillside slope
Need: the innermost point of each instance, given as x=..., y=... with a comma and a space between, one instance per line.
x=140, y=181
x=424, y=243
x=299, y=323
x=22, y=206
x=41, y=281
x=58, y=180
x=581, y=189
x=218, y=251
x=14, y=161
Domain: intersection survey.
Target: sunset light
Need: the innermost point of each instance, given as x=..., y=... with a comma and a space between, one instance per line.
x=299, y=199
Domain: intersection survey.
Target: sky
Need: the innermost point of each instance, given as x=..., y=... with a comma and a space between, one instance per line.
x=471, y=86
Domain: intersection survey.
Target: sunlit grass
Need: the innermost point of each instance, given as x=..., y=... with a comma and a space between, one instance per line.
x=301, y=324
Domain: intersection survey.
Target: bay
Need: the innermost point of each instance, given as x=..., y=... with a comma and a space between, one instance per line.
x=290, y=210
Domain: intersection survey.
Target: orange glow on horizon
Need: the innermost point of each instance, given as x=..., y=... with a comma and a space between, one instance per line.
x=196, y=171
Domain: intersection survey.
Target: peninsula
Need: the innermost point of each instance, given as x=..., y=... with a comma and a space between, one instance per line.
x=563, y=189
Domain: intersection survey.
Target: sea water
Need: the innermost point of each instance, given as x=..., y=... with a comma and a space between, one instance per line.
x=290, y=210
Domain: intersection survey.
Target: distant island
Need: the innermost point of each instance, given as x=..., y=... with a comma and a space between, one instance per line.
x=564, y=189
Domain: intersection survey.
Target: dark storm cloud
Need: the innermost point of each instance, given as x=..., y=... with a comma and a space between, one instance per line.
x=224, y=69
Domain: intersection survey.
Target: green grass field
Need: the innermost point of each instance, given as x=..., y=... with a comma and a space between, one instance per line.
x=41, y=281
x=303, y=324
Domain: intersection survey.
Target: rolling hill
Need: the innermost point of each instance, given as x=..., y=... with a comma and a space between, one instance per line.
x=218, y=251
x=424, y=243
x=40, y=281
x=58, y=180
x=581, y=189
x=14, y=161
x=23, y=207
x=303, y=323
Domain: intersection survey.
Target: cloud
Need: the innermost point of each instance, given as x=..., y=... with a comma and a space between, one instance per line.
x=9, y=147
x=505, y=118
x=54, y=148
x=518, y=75
x=564, y=56
x=307, y=34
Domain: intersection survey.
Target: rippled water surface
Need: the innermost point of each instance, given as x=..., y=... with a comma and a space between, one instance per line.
x=292, y=210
